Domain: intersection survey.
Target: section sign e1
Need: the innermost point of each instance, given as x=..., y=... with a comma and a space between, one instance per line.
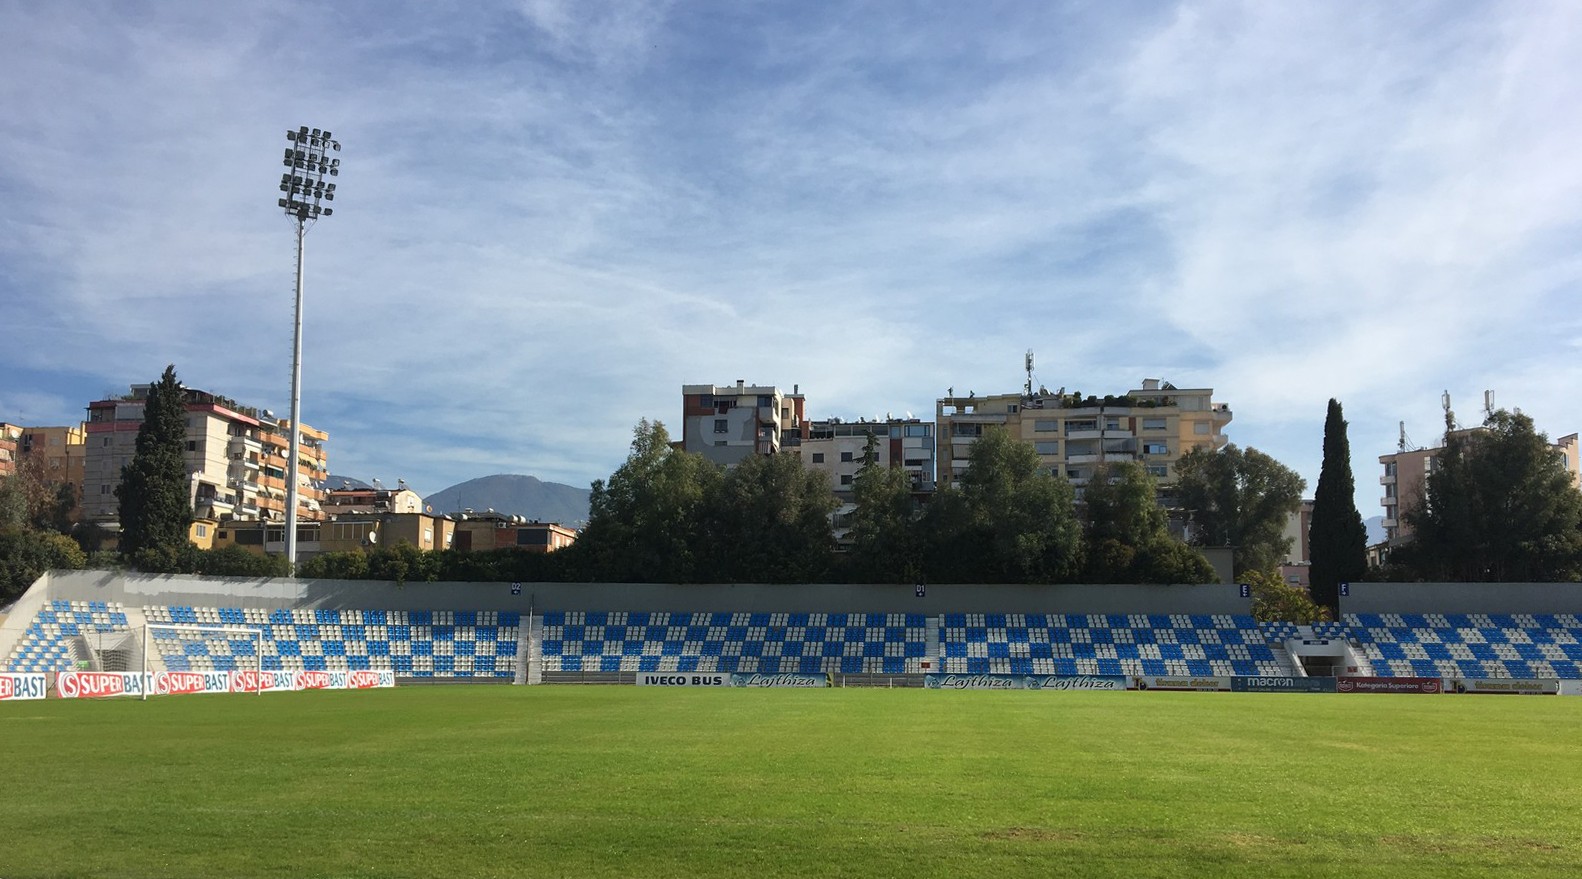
x=683, y=679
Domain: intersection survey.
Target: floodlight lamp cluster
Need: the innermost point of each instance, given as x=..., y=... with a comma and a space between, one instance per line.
x=309, y=162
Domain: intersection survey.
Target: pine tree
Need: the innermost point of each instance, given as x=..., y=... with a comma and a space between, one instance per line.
x=155, y=500
x=1337, y=539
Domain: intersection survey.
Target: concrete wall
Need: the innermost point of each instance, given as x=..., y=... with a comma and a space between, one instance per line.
x=144, y=589
x=1463, y=598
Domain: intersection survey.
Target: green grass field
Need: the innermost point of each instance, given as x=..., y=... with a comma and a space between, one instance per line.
x=626, y=781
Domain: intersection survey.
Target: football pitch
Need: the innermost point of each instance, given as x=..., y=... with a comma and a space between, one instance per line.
x=628, y=781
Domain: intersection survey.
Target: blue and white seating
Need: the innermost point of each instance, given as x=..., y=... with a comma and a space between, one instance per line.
x=1107, y=644
x=768, y=643
x=1471, y=645
x=46, y=645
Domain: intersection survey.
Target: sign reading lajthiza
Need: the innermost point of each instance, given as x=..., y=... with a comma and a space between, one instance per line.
x=1024, y=682
x=782, y=679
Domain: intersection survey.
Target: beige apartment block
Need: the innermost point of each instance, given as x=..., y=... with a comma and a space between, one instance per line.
x=61, y=453
x=1075, y=435
x=726, y=424
x=838, y=448
x=10, y=435
x=344, y=501
x=1404, y=483
x=236, y=458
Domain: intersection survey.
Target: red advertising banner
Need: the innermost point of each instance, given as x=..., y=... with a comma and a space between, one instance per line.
x=1389, y=685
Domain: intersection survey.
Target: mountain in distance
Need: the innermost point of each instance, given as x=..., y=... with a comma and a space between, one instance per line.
x=1375, y=526
x=336, y=482
x=516, y=495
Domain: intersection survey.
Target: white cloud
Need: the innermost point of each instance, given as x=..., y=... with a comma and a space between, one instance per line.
x=554, y=214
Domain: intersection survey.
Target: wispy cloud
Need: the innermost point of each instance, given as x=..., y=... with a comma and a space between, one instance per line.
x=554, y=213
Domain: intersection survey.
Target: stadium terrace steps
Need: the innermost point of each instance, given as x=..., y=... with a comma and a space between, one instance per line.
x=767, y=643
x=1110, y=644
x=1471, y=645
x=442, y=644
x=50, y=642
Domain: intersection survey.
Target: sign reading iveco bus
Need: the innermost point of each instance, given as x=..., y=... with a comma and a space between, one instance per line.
x=683, y=679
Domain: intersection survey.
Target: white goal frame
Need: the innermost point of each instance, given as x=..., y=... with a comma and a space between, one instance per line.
x=256, y=633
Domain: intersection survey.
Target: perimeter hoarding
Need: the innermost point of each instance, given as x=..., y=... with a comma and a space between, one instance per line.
x=1282, y=684
x=973, y=682
x=98, y=684
x=1505, y=686
x=1194, y=683
x=781, y=679
x=1389, y=685
x=683, y=679
x=1075, y=682
x=22, y=685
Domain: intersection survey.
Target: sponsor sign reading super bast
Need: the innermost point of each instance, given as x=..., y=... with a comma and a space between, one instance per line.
x=178, y=683
x=98, y=684
x=26, y=685
x=683, y=679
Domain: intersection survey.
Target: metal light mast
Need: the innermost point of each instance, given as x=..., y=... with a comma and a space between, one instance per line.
x=307, y=164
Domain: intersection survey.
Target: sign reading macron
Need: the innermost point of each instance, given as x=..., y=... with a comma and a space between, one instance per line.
x=683, y=679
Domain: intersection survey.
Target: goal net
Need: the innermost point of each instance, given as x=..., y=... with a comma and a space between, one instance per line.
x=186, y=658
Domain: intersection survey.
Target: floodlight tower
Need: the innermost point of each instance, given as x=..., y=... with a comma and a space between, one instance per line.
x=307, y=163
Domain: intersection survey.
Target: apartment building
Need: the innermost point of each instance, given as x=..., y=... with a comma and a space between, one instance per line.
x=344, y=501
x=838, y=448
x=10, y=435
x=726, y=424
x=1074, y=434
x=478, y=532
x=236, y=458
x=350, y=532
x=1404, y=482
x=60, y=453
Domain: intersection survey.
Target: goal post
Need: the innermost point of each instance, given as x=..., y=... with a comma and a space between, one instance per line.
x=188, y=658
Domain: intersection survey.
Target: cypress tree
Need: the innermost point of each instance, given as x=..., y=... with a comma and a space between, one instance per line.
x=155, y=500
x=1337, y=539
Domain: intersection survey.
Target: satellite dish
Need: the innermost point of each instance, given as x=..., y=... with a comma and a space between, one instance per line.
x=373, y=537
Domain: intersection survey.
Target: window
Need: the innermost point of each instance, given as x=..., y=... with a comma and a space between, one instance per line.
x=766, y=402
x=1011, y=408
x=1156, y=449
x=104, y=489
x=845, y=479
x=1112, y=424
x=203, y=531
x=1153, y=424
x=1159, y=470
x=1389, y=468
x=915, y=462
x=706, y=401
x=845, y=457
x=1046, y=426
x=719, y=442
x=917, y=430
x=721, y=426
x=222, y=535
x=1200, y=428
x=818, y=457
x=192, y=445
x=105, y=443
x=1047, y=447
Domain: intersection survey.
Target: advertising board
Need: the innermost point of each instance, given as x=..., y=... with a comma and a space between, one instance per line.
x=98, y=684
x=1571, y=688
x=683, y=679
x=1195, y=683
x=1282, y=684
x=1075, y=682
x=1505, y=686
x=1389, y=685
x=22, y=685
x=782, y=679
x=973, y=682
x=181, y=683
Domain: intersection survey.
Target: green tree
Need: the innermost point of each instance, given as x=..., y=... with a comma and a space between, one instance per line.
x=1240, y=498
x=644, y=523
x=884, y=534
x=1127, y=535
x=25, y=556
x=234, y=561
x=1498, y=507
x=401, y=563
x=1337, y=539
x=1011, y=522
x=155, y=501
x=350, y=565
x=767, y=521
x=1275, y=601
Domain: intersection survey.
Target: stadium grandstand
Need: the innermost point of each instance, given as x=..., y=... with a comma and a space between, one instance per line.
x=556, y=632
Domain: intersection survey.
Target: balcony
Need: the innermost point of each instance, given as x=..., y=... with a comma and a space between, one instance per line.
x=1084, y=459
x=1387, y=480
x=1084, y=433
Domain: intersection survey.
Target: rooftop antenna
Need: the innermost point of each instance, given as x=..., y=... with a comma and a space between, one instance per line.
x=1488, y=404
x=1450, y=415
x=1027, y=390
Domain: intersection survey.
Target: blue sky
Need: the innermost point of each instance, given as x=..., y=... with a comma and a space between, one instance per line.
x=554, y=214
